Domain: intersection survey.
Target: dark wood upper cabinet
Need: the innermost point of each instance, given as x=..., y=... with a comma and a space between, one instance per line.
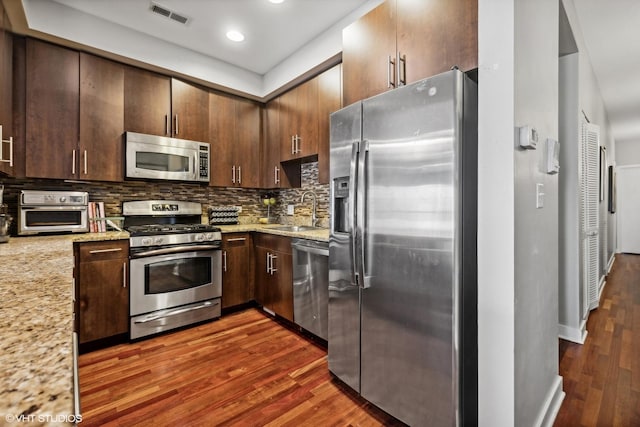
x=52, y=111
x=298, y=121
x=161, y=105
x=101, y=119
x=147, y=102
x=235, y=141
x=6, y=95
x=403, y=41
x=190, y=109
x=329, y=101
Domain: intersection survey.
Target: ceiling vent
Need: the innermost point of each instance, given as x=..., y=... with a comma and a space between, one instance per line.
x=167, y=13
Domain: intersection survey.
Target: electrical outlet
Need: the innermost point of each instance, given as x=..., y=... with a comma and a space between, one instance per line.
x=290, y=209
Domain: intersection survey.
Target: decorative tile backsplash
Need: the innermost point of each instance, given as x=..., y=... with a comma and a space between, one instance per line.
x=113, y=194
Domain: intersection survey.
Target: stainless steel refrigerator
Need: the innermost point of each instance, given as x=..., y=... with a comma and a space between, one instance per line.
x=402, y=250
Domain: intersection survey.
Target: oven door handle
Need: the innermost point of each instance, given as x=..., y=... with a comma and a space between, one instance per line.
x=175, y=312
x=175, y=250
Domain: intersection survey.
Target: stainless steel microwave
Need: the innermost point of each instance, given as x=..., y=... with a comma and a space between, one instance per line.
x=160, y=157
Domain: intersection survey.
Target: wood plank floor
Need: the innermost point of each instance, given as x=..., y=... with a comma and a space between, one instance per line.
x=602, y=377
x=242, y=370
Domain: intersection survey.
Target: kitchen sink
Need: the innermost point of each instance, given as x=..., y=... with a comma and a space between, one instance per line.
x=296, y=228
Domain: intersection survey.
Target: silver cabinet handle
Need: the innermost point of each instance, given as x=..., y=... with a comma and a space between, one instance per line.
x=233, y=174
x=10, y=142
x=402, y=70
x=239, y=174
x=273, y=269
x=176, y=123
x=391, y=68
x=276, y=173
x=73, y=162
x=124, y=274
x=166, y=124
x=224, y=261
x=102, y=251
x=85, y=162
x=237, y=239
x=293, y=144
x=268, y=263
x=298, y=139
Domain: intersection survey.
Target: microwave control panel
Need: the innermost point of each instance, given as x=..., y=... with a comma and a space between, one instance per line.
x=204, y=163
x=53, y=198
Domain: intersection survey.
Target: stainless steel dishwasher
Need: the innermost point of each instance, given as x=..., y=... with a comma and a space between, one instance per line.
x=311, y=285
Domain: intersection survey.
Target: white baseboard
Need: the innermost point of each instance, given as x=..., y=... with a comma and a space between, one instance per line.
x=610, y=263
x=576, y=335
x=551, y=405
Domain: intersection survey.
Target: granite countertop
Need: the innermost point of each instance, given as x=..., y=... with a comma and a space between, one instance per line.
x=320, y=234
x=36, y=322
x=36, y=325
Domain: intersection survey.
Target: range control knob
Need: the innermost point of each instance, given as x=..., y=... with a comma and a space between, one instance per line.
x=146, y=241
x=199, y=237
x=158, y=241
x=63, y=199
x=209, y=236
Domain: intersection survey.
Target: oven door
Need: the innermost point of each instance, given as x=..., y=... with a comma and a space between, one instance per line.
x=52, y=219
x=170, y=280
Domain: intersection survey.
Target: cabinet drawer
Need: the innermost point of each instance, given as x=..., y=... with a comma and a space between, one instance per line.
x=273, y=242
x=98, y=251
x=234, y=240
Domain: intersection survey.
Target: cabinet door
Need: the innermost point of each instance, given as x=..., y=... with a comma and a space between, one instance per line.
x=147, y=102
x=102, y=289
x=329, y=100
x=271, y=172
x=6, y=90
x=368, y=46
x=101, y=119
x=306, y=115
x=236, y=273
x=222, y=134
x=282, y=286
x=247, y=146
x=263, y=278
x=287, y=124
x=52, y=111
x=434, y=36
x=190, y=108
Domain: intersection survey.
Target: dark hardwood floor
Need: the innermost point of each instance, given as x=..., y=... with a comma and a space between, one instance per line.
x=602, y=377
x=242, y=370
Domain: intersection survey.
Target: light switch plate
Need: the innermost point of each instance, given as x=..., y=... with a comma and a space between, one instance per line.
x=539, y=196
x=290, y=209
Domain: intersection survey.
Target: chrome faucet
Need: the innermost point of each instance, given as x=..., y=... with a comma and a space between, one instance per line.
x=313, y=208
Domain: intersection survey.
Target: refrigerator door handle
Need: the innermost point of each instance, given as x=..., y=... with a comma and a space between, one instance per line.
x=353, y=179
x=361, y=204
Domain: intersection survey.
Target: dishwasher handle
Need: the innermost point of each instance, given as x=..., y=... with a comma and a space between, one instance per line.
x=310, y=246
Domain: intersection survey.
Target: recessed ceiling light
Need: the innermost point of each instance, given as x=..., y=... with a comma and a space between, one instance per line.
x=276, y=1
x=235, y=36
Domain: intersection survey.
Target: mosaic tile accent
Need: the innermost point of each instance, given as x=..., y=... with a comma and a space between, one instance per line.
x=250, y=200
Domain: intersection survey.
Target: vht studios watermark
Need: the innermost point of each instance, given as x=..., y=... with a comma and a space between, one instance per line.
x=43, y=418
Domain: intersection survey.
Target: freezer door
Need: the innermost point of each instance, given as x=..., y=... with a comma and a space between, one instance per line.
x=409, y=248
x=344, y=294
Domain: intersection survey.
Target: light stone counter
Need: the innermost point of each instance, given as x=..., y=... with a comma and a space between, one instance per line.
x=36, y=326
x=321, y=234
x=36, y=322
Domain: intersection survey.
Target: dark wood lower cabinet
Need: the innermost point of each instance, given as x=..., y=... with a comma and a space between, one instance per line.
x=237, y=269
x=102, y=289
x=274, y=275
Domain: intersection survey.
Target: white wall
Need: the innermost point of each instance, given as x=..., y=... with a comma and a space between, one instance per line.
x=496, y=228
x=517, y=243
x=627, y=153
x=538, y=390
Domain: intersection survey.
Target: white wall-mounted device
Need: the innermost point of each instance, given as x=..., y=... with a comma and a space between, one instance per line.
x=553, y=156
x=528, y=137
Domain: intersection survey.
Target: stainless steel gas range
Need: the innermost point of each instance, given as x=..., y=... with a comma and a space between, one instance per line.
x=175, y=266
